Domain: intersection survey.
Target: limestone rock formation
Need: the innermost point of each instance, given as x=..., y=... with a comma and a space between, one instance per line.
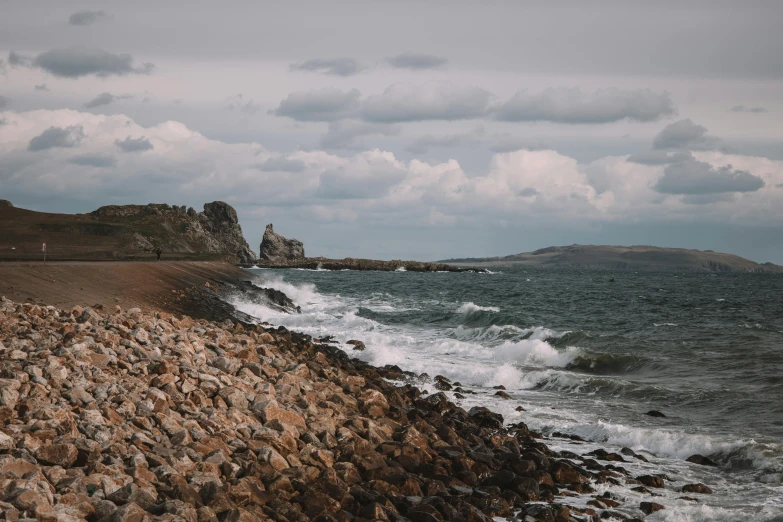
x=176, y=229
x=277, y=248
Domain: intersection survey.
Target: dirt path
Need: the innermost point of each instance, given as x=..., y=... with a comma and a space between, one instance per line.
x=149, y=285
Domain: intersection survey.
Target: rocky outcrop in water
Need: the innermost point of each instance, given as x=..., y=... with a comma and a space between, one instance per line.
x=322, y=263
x=278, y=249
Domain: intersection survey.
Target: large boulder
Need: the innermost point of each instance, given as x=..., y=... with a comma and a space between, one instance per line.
x=277, y=248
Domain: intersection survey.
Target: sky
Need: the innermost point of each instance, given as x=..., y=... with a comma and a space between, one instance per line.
x=401, y=129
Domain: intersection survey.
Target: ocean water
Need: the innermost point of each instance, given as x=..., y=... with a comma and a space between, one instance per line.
x=588, y=357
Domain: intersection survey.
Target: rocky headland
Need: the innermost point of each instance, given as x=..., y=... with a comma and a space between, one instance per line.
x=624, y=258
x=280, y=252
x=125, y=232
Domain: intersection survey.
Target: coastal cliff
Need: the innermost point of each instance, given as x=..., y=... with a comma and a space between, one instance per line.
x=126, y=232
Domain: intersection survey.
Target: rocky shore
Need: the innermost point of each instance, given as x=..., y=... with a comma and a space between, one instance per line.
x=122, y=415
x=322, y=263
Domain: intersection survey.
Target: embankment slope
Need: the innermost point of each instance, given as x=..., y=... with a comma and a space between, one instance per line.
x=148, y=285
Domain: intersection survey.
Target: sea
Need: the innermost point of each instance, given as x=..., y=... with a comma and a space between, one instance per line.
x=586, y=355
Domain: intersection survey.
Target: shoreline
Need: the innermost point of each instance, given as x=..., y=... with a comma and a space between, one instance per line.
x=271, y=424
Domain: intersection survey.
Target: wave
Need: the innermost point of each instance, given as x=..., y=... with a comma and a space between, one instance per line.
x=469, y=308
x=401, y=269
x=494, y=332
x=534, y=352
x=301, y=295
x=738, y=455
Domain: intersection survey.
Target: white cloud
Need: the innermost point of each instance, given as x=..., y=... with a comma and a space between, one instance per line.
x=371, y=186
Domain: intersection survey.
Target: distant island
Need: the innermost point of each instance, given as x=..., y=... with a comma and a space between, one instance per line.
x=637, y=257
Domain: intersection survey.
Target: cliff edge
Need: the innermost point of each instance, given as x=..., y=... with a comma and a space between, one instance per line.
x=126, y=232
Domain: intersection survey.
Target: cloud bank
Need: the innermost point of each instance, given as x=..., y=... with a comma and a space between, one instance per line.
x=416, y=61
x=87, y=17
x=578, y=107
x=333, y=67
x=78, y=62
x=375, y=185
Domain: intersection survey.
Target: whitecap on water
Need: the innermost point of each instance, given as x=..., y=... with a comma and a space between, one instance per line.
x=469, y=308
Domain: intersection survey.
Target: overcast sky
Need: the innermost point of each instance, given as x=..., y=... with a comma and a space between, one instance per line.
x=405, y=129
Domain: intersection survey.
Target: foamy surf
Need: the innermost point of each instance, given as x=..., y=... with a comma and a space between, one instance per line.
x=600, y=396
x=469, y=308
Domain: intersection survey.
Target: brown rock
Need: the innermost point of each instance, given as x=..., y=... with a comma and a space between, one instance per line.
x=697, y=488
x=648, y=508
x=64, y=455
x=131, y=493
x=130, y=513
x=271, y=410
x=701, y=459
x=651, y=481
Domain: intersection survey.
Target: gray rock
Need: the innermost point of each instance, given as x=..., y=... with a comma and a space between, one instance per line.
x=277, y=248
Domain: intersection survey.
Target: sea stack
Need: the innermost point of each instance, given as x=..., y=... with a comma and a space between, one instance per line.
x=277, y=248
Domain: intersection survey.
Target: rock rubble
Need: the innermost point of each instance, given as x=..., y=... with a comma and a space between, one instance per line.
x=121, y=415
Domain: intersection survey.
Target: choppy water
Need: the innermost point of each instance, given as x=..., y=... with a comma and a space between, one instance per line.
x=588, y=357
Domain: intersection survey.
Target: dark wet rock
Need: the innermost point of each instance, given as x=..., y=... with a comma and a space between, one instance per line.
x=357, y=345
x=278, y=249
x=651, y=481
x=655, y=413
x=323, y=263
x=631, y=453
x=697, y=488
x=648, y=508
x=486, y=417
x=269, y=297
x=701, y=459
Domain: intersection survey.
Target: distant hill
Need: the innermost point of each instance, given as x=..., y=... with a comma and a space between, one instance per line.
x=125, y=232
x=624, y=258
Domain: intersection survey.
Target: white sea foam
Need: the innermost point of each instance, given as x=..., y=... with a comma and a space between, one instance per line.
x=401, y=269
x=469, y=308
x=498, y=332
x=664, y=324
x=534, y=352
